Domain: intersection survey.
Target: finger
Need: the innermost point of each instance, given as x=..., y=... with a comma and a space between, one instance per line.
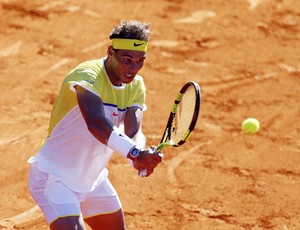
x=149, y=172
x=153, y=148
x=143, y=173
x=157, y=157
x=160, y=154
x=137, y=166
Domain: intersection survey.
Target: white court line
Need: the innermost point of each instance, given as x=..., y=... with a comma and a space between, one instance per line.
x=30, y=215
x=17, y=138
x=255, y=3
x=177, y=160
x=67, y=60
x=94, y=47
x=11, y=50
x=197, y=17
x=58, y=65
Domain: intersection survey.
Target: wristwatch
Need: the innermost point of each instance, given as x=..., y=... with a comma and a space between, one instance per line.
x=133, y=153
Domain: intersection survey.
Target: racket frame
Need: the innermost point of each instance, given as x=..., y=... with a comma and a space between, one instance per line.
x=168, y=131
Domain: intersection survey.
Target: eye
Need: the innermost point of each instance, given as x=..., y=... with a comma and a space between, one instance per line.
x=142, y=60
x=127, y=60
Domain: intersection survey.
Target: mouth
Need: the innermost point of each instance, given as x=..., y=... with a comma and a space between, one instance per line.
x=129, y=75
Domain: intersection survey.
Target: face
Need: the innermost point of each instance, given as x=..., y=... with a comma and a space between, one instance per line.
x=123, y=65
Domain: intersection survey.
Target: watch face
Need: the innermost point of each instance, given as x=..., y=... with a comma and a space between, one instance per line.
x=134, y=152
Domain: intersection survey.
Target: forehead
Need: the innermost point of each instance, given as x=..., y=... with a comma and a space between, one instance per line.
x=131, y=53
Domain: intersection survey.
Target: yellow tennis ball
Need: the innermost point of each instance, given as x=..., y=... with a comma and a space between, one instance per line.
x=250, y=126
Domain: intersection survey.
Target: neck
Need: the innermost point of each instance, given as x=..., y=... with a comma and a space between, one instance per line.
x=109, y=70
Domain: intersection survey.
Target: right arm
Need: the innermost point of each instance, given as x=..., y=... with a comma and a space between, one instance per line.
x=92, y=109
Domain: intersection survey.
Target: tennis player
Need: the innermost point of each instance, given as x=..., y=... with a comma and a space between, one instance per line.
x=68, y=178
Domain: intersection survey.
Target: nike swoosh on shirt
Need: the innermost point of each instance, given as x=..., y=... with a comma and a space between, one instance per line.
x=115, y=114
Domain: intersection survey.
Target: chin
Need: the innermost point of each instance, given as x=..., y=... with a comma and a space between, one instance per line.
x=127, y=81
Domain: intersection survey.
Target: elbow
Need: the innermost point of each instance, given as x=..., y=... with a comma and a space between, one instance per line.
x=99, y=132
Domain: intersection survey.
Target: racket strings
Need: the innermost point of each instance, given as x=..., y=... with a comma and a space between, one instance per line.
x=184, y=115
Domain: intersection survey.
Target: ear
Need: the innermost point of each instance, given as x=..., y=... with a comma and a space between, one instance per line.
x=110, y=51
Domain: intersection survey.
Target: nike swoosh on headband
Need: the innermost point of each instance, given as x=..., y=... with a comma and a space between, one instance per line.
x=137, y=44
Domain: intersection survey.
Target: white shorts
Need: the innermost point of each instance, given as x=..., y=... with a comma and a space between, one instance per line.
x=56, y=200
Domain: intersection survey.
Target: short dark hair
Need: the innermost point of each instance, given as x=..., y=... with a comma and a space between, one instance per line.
x=132, y=30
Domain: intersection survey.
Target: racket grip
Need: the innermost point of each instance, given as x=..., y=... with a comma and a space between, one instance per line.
x=143, y=173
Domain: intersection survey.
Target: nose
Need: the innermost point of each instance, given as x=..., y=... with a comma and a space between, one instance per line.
x=135, y=67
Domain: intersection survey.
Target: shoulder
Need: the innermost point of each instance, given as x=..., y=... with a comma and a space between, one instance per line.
x=95, y=65
x=88, y=69
x=138, y=81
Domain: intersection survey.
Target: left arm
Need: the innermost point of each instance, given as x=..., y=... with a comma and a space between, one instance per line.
x=132, y=121
x=132, y=125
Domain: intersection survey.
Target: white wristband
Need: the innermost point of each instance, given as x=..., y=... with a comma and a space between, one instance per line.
x=120, y=142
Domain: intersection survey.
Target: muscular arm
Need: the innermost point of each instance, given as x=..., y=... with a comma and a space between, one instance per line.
x=91, y=107
x=132, y=121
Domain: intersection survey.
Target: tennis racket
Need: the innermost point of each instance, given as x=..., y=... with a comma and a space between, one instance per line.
x=182, y=119
x=183, y=116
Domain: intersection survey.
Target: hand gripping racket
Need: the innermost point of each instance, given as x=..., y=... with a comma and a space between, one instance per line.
x=183, y=117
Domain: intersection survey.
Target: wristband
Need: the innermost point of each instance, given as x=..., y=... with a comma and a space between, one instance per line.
x=120, y=142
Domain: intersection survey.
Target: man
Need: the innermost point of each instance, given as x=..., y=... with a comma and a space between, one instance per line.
x=68, y=175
